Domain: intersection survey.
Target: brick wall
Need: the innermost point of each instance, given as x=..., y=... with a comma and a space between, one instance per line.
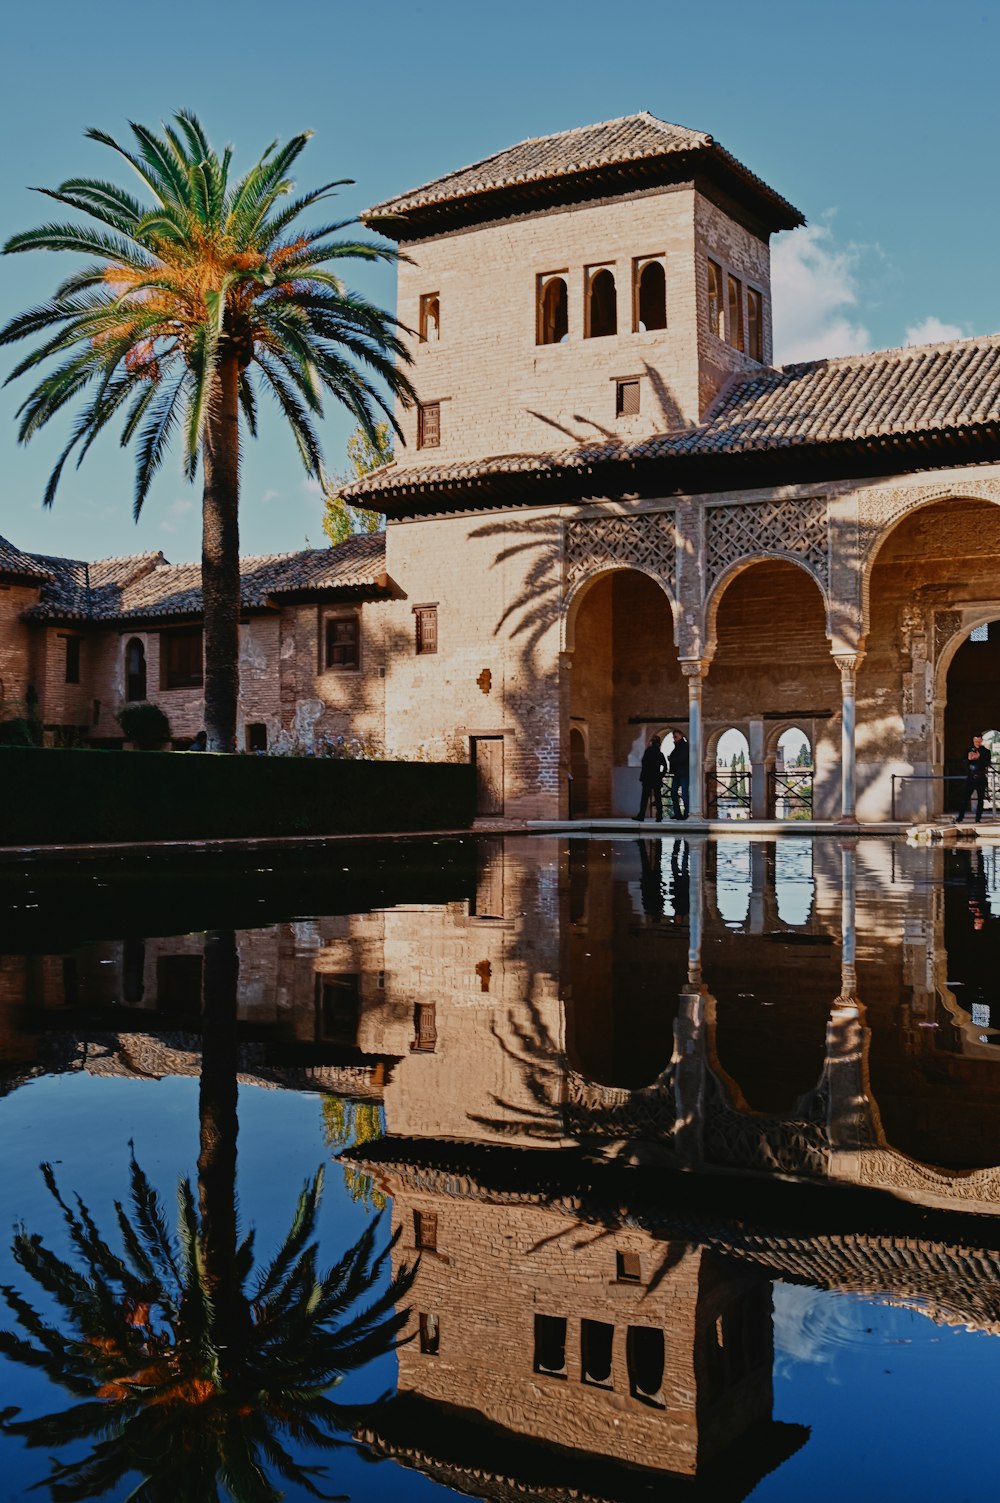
x=502, y=392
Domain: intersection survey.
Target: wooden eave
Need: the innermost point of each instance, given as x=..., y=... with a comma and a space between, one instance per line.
x=711, y=170
x=680, y=475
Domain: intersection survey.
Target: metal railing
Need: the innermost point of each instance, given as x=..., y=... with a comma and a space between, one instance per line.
x=727, y=789
x=794, y=789
x=991, y=798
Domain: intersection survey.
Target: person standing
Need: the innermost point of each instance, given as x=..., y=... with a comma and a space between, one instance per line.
x=977, y=761
x=651, y=771
x=679, y=763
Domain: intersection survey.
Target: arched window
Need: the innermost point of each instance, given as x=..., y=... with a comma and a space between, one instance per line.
x=793, y=775
x=650, y=296
x=553, y=310
x=430, y=318
x=135, y=670
x=602, y=303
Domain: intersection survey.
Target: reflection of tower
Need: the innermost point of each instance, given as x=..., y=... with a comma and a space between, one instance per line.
x=542, y=1344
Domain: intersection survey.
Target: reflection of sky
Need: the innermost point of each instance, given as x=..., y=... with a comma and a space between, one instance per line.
x=897, y=1406
x=793, y=880
x=732, y=881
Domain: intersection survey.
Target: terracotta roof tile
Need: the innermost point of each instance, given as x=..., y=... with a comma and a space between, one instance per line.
x=147, y=585
x=919, y=392
x=587, y=148
x=13, y=561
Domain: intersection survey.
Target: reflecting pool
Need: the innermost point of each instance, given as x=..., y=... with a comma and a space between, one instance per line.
x=522, y=1167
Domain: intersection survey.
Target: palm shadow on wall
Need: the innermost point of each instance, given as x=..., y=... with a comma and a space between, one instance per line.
x=188, y=1367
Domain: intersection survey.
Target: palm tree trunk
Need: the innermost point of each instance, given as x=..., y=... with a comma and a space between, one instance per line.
x=218, y=1124
x=220, y=557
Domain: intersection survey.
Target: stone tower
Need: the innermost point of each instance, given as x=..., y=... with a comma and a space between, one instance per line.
x=603, y=282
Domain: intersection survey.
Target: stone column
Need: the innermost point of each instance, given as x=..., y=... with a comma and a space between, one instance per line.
x=694, y=671
x=848, y=663
x=758, y=771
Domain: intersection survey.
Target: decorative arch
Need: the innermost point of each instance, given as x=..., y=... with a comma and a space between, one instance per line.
x=884, y=512
x=723, y=581
x=595, y=546
x=579, y=592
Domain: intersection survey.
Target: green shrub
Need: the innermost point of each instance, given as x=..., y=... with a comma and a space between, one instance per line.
x=66, y=796
x=145, y=724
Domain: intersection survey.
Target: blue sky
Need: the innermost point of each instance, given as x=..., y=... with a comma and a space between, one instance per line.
x=878, y=120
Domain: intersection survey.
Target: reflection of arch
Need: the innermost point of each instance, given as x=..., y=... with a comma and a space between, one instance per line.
x=135, y=670
x=579, y=771
x=553, y=311
x=725, y=579
x=602, y=304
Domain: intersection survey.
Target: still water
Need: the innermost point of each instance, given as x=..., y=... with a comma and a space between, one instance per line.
x=674, y=1166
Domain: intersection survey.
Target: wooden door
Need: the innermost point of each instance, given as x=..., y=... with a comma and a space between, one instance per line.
x=487, y=757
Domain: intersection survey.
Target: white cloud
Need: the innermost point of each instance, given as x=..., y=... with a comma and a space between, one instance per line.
x=815, y=296
x=175, y=514
x=270, y=495
x=933, y=331
x=310, y=486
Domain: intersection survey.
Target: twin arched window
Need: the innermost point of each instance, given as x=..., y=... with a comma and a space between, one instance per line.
x=649, y=301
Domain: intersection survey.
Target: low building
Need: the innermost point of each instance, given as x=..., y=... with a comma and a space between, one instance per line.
x=79, y=640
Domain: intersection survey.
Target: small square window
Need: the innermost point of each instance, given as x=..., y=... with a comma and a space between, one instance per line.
x=430, y=318
x=256, y=737
x=342, y=637
x=182, y=659
x=424, y=1028
x=72, y=660
x=339, y=998
x=629, y=1267
x=626, y=398
x=426, y=618
x=425, y=1230
x=430, y=1335
x=429, y=425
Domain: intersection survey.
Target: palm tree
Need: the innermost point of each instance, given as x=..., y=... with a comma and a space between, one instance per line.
x=197, y=302
x=165, y=1382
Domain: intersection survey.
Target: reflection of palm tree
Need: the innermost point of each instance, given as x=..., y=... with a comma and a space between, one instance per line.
x=195, y=1395
x=188, y=1369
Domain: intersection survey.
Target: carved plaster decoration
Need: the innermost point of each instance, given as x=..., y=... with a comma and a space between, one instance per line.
x=644, y=541
x=787, y=529
x=946, y=625
x=880, y=510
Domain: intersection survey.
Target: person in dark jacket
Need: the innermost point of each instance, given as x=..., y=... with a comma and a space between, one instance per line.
x=977, y=761
x=651, y=771
x=679, y=764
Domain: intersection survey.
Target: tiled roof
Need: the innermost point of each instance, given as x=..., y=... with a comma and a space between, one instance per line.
x=147, y=585
x=930, y=392
x=88, y=591
x=13, y=561
x=638, y=138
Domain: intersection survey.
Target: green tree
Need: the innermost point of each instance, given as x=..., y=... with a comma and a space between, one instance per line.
x=193, y=304
x=340, y=519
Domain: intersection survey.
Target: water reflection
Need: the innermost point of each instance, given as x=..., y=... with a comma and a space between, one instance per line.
x=188, y=1367
x=610, y=1089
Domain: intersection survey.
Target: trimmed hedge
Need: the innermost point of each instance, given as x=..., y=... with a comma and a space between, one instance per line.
x=55, y=796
